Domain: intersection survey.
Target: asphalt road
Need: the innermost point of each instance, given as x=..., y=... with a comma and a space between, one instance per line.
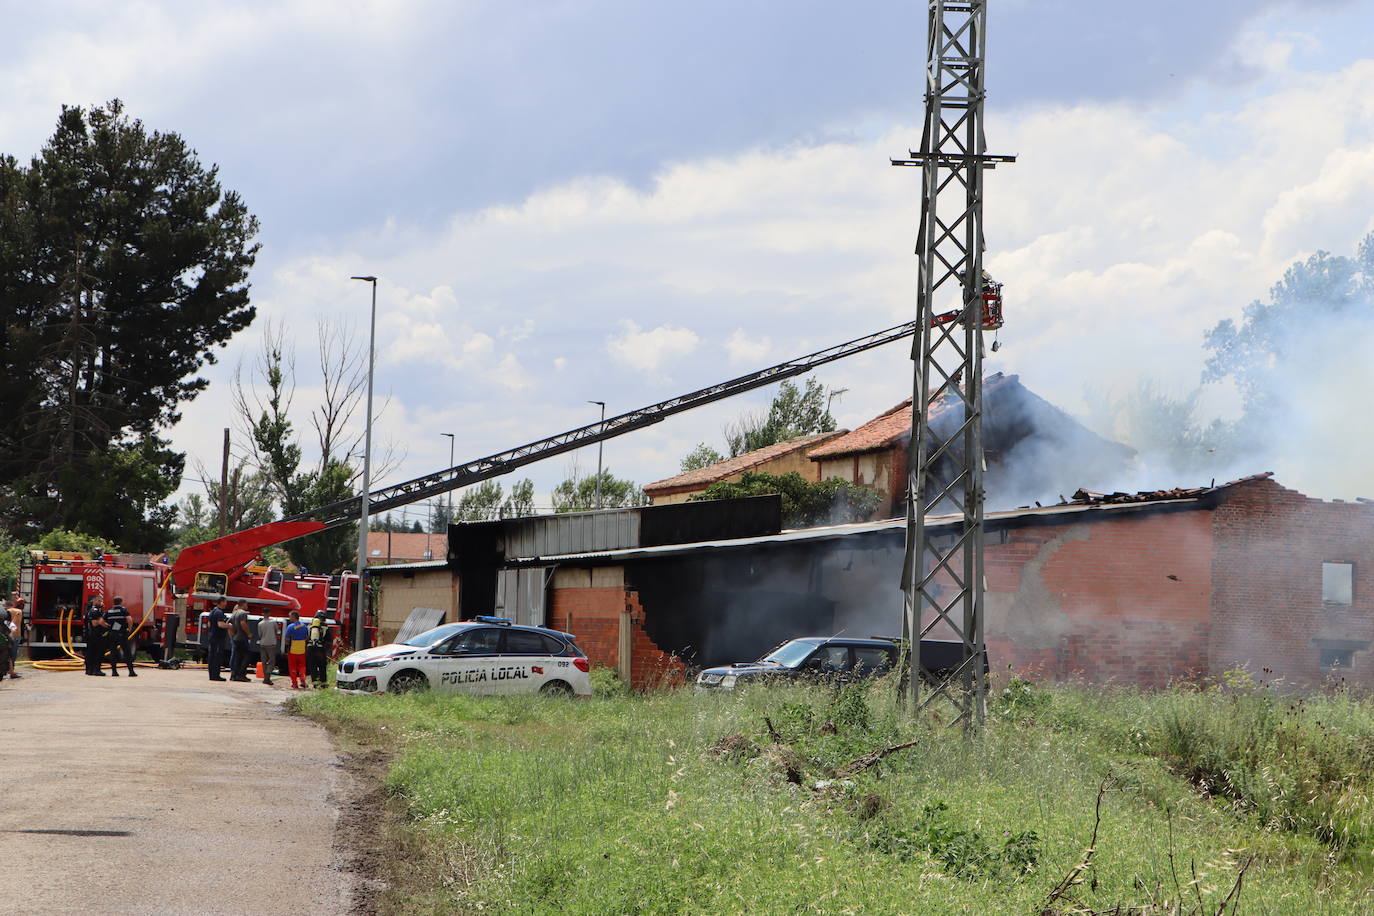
x=165, y=794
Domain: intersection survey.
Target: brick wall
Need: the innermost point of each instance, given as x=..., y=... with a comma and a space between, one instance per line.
x=1268, y=608
x=592, y=614
x=1123, y=599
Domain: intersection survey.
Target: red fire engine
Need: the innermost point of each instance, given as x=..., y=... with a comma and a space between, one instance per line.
x=229, y=567
x=58, y=587
x=59, y=584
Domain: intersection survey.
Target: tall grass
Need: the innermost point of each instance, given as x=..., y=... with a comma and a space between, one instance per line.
x=690, y=803
x=1299, y=763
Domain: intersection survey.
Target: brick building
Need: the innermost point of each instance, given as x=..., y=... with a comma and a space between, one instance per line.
x=1142, y=588
x=779, y=458
x=1025, y=438
x=385, y=547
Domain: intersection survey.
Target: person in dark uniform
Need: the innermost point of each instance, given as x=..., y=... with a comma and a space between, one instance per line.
x=317, y=651
x=96, y=627
x=118, y=639
x=216, y=639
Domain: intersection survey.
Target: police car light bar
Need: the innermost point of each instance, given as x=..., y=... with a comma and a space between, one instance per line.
x=503, y=621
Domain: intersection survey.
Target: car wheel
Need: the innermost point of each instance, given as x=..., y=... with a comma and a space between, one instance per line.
x=557, y=689
x=407, y=682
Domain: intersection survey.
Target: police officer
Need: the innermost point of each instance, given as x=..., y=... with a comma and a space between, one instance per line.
x=118, y=639
x=96, y=627
x=317, y=650
x=216, y=639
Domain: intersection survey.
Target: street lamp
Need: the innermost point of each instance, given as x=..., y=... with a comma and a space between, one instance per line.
x=450, y=467
x=602, y=405
x=358, y=632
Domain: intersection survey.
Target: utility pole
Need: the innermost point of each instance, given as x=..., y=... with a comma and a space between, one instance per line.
x=224, y=488
x=449, y=516
x=943, y=582
x=599, y=447
x=359, y=633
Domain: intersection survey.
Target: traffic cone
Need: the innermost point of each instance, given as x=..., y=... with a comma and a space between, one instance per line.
x=259, y=670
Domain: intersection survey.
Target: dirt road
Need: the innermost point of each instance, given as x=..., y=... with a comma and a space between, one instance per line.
x=165, y=794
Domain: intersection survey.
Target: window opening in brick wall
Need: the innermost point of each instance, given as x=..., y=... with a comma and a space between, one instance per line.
x=1337, y=658
x=1338, y=583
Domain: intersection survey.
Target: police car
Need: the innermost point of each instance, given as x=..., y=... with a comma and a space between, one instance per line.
x=486, y=655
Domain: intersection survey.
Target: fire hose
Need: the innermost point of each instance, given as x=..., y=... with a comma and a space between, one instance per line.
x=66, y=640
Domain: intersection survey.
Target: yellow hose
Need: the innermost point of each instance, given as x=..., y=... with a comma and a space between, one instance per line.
x=76, y=662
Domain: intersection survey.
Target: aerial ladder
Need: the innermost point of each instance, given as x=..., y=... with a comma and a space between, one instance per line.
x=231, y=555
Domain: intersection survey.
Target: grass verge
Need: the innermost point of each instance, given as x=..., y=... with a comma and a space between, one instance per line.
x=1074, y=800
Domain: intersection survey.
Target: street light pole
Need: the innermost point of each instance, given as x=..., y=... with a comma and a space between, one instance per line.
x=599, y=445
x=450, y=464
x=358, y=616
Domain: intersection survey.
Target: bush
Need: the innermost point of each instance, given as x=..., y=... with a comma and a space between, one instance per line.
x=606, y=682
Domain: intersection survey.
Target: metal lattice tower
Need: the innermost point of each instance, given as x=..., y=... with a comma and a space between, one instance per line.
x=942, y=580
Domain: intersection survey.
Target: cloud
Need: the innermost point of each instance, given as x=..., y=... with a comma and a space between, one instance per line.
x=1122, y=233
x=746, y=350
x=650, y=350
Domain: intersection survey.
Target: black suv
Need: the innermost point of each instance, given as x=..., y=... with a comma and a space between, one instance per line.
x=818, y=657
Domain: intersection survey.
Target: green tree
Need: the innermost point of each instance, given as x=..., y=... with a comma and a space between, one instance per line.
x=197, y=521
x=701, y=456
x=123, y=267
x=804, y=503
x=578, y=494
x=480, y=502
x=336, y=548
x=440, y=514
x=1164, y=428
x=520, y=503
x=277, y=456
x=794, y=412
x=1318, y=297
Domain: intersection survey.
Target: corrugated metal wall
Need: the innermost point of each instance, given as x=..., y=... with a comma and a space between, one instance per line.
x=520, y=594
x=574, y=532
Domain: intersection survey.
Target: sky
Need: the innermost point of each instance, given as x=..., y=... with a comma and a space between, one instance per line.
x=606, y=200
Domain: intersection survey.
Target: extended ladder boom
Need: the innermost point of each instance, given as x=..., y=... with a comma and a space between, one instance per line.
x=462, y=475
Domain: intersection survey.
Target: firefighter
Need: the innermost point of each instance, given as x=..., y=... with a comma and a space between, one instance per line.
x=317, y=650
x=96, y=627
x=216, y=639
x=119, y=648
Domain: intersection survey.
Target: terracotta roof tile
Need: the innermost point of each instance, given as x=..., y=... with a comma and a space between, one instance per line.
x=895, y=425
x=876, y=434
x=740, y=463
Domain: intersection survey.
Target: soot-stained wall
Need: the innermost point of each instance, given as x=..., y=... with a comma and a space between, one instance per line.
x=1135, y=596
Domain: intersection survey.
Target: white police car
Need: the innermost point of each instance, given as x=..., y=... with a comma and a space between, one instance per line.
x=486, y=655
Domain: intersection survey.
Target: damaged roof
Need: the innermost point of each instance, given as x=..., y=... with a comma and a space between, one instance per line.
x=1089, y=498
x=740, y=463
x=1084, y=503
x=895, y=424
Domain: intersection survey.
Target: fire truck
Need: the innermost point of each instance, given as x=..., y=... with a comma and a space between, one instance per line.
x=57, y=585
x=230, y=567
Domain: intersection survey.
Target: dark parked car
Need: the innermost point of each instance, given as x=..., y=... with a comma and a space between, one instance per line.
x=840, y=658
x=832, y=657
